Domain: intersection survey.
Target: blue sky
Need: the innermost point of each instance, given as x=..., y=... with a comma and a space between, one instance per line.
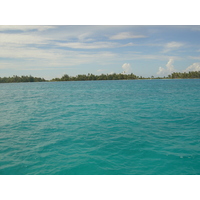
x=52, y=51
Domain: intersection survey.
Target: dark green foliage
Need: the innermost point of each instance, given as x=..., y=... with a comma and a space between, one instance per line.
x=18, y=79
x=91, y=77
x=195, y=74
x=131, y=76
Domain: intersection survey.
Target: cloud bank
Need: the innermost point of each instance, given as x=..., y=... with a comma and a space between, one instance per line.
x=171, y=46
x=168, y=70
x=126, y=68
x=24, y=27
x=125, y=35
x=193, y=67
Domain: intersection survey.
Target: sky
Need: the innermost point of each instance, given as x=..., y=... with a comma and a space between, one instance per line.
x=54, y=50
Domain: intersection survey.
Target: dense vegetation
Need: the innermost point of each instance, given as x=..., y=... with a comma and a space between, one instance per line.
x=89, y=77
x=195, y=74
x=18, y=79
x=174, y=75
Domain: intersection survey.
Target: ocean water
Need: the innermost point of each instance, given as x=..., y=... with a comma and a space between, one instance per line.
x=133, y=127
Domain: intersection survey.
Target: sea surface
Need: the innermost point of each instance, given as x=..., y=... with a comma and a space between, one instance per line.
x=130, y=127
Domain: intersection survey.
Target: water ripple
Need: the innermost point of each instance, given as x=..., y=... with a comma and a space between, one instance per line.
x=100, y=127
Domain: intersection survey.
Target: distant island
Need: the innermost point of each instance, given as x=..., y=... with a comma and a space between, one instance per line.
x=92, y=77
x=18, y=79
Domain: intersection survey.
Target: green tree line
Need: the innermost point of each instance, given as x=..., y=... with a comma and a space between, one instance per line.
x=18, y=79
x=83, y=77
x=195, y=74
x=90, y=77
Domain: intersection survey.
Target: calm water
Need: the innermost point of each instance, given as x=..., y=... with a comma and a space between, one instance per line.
x=100, y=127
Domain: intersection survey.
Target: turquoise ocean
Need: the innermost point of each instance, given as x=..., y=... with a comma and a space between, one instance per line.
x=130, y=127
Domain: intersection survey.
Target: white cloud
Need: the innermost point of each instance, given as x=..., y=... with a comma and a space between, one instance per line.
x=94, y=45
x=47, y=58
x=169, y=65
x=194, y=57
x=168, y=70
x=85, y=37
x=193, y=67
x=161, y=71
x=125, y=35
x=25, y=52
x=134, y=55
x=126, y=68
x=20, y=46
x=24, y=27
x=129, y=44
x=21, y=39
x=172, y=46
